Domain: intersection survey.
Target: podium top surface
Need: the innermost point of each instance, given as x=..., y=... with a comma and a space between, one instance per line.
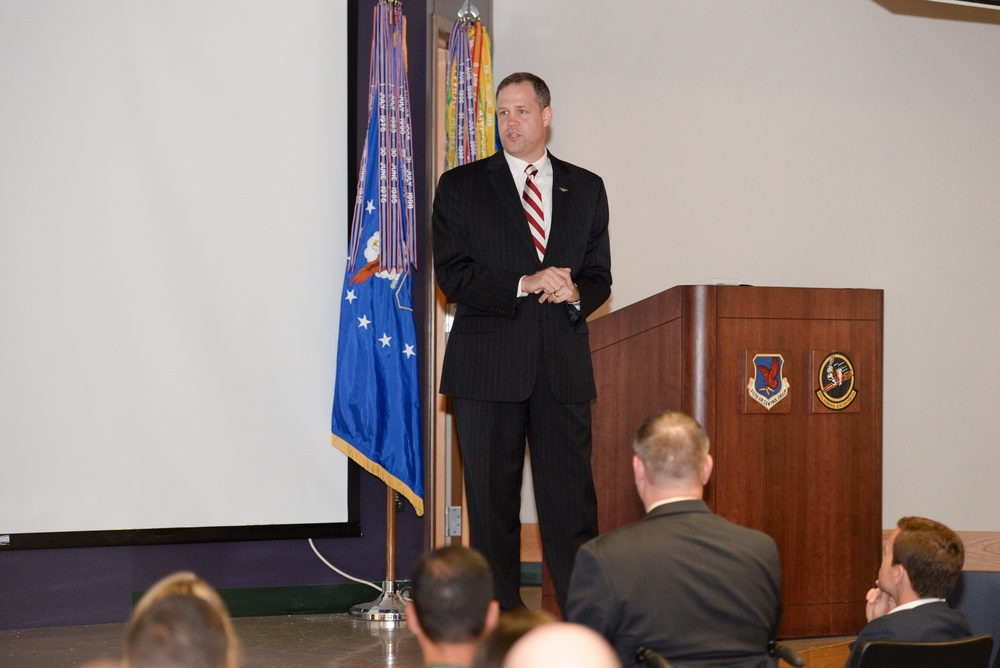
x=710, y=302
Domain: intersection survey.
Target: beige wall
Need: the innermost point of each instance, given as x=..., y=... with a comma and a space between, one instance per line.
x=826, y=144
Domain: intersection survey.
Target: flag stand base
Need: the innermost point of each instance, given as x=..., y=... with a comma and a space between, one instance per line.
x=389, y=607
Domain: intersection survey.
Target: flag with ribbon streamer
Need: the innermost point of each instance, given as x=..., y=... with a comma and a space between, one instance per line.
x=376, y=403
x=470, y=118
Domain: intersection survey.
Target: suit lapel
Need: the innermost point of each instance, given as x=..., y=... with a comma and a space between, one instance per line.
x=498, y=173
x=562, y=191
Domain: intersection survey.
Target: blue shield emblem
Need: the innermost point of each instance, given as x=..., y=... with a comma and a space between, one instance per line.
x=768, y=385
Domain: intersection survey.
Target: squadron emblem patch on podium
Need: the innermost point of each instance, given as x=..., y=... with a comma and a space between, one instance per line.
x=835, y=382
x=768, y=385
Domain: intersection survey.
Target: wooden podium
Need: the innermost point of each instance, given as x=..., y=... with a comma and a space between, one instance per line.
x=804, y=467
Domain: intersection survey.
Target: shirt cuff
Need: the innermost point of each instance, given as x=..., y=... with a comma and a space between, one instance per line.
x=520, y=292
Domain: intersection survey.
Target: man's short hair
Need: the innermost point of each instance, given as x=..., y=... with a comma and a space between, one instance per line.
x=932, y=555
x=673, y=447
x=452, y=592
x=181, y=621
x=542, y=94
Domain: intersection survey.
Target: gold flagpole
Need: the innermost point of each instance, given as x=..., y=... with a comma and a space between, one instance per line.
x=389, y=606
x=390, y=534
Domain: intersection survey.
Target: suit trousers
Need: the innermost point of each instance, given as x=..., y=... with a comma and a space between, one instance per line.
x=492, y=440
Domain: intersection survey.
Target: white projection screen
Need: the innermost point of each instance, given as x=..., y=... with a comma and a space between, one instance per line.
x=173, y=187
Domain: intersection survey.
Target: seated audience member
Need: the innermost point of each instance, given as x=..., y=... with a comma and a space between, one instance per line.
x=683, y=582
x=921, y=562
x=180, y=622
x=452, y=607
x=561, y=644
x=512, y=625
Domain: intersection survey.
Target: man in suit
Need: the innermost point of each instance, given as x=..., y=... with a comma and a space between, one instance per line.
x=452, y=608
x=921, y=562
x=682, y=581
x=517, y=363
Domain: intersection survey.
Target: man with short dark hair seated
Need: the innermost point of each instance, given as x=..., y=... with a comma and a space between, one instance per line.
x=921, y=562
x=683, y=582
x=452, y=607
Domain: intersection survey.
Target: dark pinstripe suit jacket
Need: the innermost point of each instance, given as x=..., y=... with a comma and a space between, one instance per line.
x=482, y=247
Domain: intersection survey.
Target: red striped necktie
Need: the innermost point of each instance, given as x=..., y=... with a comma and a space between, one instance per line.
x=531, y=198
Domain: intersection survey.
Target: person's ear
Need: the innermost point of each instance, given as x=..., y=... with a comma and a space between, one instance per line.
x=492, y=617
x=412, y=622
x=638, y=472
x=707, y=472
x=900, y=576
x=546, y=116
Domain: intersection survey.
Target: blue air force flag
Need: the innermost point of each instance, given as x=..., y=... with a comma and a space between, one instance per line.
x=376, y=403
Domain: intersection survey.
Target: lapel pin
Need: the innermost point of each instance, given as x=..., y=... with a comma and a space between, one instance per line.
x=565, y=190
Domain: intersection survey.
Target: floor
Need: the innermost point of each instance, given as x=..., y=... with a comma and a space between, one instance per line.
x=298, y=641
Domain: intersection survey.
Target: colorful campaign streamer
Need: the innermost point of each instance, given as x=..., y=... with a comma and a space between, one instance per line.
x=470, y=119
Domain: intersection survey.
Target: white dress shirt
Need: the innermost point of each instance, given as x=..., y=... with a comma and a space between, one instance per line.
x=915, y=604
x=543, y=180
x=663, y=502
